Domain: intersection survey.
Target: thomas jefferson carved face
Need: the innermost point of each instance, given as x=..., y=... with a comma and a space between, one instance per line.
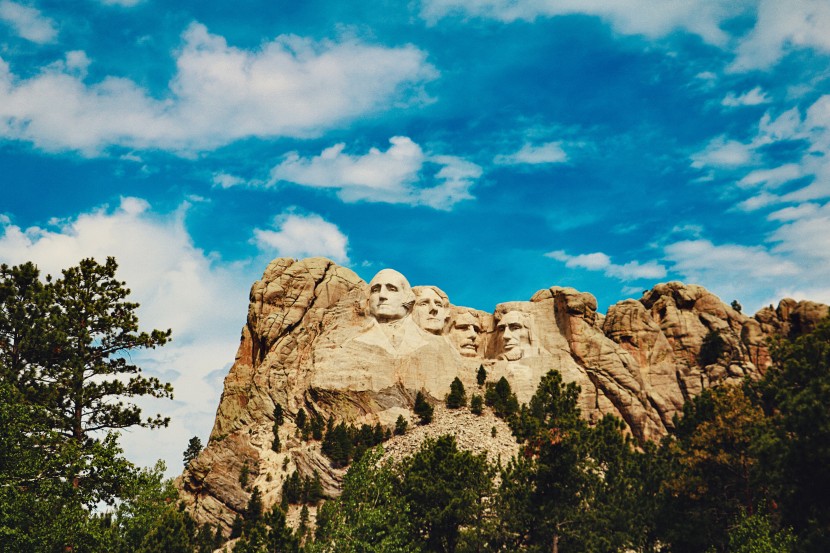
x=431, y=310
x=464, y=334
x=514, y=333
x=390, y=296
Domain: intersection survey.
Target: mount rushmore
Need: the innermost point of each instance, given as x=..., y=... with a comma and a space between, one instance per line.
x=321, y=340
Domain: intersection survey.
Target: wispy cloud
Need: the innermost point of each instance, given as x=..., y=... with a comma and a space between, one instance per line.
x=780, y=27
x=28, y=22
x=291, y=86
x=753, y=97
x=396, y=175
x=299, y=236
x=530, y=154
x=598, y=261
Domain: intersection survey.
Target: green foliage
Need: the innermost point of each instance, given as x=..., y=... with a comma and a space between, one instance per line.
x=63, y=346
x=370, y=516
x=755, y=534
x=736, y=305
x=194, y=447
x=501, y=399
x=279, y=417
x=269, y=533
x=457, y=397
x=795, y=394
x=301, y=419
x=481, y=375
x=445, y=488
x=302, y=489
x=423, y=409
x=477, y=404
x=714, y=469
x=244, y=475
x=400, y=426
x=712, y=349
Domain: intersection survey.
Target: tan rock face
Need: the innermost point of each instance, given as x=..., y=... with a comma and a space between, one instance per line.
x=320, y=339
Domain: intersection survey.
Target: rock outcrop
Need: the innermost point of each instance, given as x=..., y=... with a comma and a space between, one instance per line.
x=321, y=340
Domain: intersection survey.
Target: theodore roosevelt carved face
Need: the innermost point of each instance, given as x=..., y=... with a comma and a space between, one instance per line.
x=431, y=309
x=513, y=331
x=390, y=296
x=464, y=334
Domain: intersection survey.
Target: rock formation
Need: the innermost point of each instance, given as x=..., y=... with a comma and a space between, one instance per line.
x=320, y=340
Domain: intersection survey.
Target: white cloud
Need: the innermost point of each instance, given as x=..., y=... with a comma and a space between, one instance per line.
x=652, y=19
x=226, y=180
x=391, y=176
x=549, y=152
x=754, y=97
x=290, y=86
x=303, y=236
x=28, y=22
x=723, y=153
x=178, y=286
x=781, y=27
x=793, y=261
x=771, y=178
x=598, y=261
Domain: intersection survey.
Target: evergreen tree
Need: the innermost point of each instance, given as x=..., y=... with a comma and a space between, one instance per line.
x=194, y=447
x=279, y=417
x=501, y=398
x=444, y=488
x=457, y=396
x=400, y=426
x=476, y=404
x=423, y=409
x=795, y=393
x=481, y=376
x=370, y=516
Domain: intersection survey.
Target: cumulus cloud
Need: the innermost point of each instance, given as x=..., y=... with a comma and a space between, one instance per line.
x=754, y=97
x=549, y=152
x=290, y=86
x=28, y=22
x=303, y=236
x=391, y=176
x=598, y=261
x=781, y=27
x=178, y=286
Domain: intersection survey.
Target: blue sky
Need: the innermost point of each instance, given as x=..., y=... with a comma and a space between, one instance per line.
x=490, y=147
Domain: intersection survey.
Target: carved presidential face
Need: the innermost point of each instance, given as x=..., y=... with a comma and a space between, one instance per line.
x=514, y=335
x=464, y=334
x=431, y=311
x=390, y=296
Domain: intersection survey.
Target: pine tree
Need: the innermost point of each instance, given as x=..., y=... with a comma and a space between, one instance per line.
x=457, y=396
x=476, y=404
x=64, y=345
x=400, y=426
x=423, y=409
x=481, y=375
x=194, y=447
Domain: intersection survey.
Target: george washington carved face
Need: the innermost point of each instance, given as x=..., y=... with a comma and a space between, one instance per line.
x=390, y=296
x=431, y=309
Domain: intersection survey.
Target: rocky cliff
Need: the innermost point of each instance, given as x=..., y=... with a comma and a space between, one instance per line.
x=320, y=339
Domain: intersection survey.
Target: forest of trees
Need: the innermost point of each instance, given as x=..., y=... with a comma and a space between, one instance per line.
x=745, y=470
